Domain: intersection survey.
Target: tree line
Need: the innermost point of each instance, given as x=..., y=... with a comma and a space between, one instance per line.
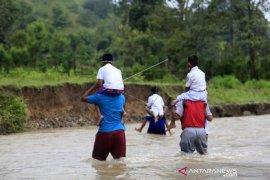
x=230, y=37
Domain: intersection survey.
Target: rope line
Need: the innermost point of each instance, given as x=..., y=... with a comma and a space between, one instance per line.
x=145, y=69
x=140, y=73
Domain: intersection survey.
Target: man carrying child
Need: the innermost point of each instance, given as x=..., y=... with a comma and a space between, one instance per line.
x=192, y=109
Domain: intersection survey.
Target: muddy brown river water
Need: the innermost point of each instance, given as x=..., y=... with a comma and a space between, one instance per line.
x=239, y=148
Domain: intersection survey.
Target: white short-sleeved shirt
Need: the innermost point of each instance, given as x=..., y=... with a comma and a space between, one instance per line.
x=156, y=104
x=111, y=76
x=196, y=79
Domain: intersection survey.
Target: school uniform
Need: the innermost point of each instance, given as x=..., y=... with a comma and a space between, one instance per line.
x=113, y=81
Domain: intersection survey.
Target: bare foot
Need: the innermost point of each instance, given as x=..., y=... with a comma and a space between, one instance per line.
x=138, y=129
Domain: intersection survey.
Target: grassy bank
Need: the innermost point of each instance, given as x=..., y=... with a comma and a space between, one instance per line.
x=221, y=90
x=21, y=78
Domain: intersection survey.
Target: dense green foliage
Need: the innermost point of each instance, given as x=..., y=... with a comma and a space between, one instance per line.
x=12, y=113
x=231, y=37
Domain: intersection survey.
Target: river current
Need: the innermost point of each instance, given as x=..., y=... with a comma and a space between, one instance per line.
x=238, y=148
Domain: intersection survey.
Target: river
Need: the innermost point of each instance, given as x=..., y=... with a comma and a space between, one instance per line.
x=239, y=147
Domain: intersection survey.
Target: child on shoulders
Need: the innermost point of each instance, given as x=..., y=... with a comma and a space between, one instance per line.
x=109, y=81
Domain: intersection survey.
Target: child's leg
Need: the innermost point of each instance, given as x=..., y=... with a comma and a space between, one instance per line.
x=99, y=115
x=142, y=126
x=173, y=109
x=167, y=126
x=123, y=116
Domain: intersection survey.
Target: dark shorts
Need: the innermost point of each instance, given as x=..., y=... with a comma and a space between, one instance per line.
x=109, y=142
x=156, y=127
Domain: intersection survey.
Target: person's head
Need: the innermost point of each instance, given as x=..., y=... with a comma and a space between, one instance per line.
x=107, y=58
x=154, y=90
x=192, y=61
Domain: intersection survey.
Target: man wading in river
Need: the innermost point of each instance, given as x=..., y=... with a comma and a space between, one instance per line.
x=193, y=115
x=110, y=137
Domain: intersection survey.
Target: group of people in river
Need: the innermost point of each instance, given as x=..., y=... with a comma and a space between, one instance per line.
x=190, y=107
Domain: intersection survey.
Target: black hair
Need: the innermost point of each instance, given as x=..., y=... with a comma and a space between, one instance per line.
x=107, y=57
x=154, y=90
x=193, y=60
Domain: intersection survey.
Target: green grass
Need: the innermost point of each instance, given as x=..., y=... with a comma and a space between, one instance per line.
x=228, y=89
x=241, y=95
x=21, y=78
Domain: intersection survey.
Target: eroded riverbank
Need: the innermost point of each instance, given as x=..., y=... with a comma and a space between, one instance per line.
x=60, y=106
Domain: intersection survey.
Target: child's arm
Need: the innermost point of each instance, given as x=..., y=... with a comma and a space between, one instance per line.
x=87, y=93
x=174, y=115
x=100, y=82
x=209, y=115
x=188, y=82
x=94, y=86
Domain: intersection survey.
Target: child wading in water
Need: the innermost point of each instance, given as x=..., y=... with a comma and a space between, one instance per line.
x=109, y=81
x=155, y=108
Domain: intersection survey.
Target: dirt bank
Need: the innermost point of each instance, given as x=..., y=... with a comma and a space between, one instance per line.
x=61, y=107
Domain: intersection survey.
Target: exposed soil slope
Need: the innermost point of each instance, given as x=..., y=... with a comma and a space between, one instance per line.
x=61, y=106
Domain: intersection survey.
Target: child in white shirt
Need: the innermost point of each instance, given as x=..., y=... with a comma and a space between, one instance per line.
x=109, y=81
x=155, y=108
x=155, y=105
x=195, y=85
x=195, y=82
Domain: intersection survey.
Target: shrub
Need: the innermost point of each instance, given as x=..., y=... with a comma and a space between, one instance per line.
x=229, y=82
x=12, y=113
x=257, y=84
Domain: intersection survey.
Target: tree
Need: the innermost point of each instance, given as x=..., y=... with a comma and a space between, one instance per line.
x=101, y=8
x=38, y=44
x=60, y=19
x=9, y=12
x=246, y=27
